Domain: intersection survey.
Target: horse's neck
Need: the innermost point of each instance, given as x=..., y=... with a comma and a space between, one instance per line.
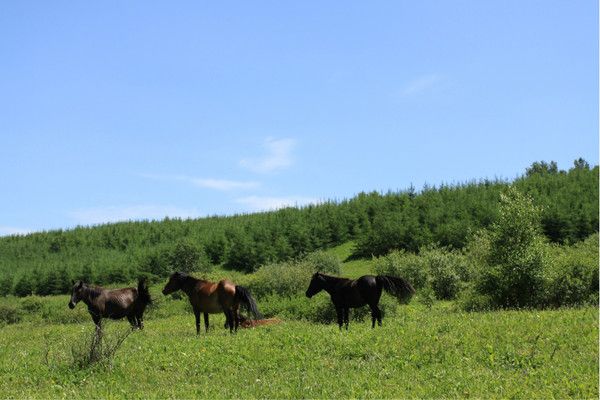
x=189, y=285
x=89, y=294
x=331, y=282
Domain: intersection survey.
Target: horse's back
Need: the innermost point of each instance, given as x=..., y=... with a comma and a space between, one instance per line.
x=226, y=291
x=369, y=290
x=118, y=303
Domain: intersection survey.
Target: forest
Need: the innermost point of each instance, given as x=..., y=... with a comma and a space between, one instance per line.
x=448, y=217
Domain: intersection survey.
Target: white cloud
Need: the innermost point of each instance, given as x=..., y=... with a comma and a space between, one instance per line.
x=421, y=84
x=278, y=156
x=262, y=203
x=11, y=230
x=223, y=184
x=100, y=215
x=208, y=183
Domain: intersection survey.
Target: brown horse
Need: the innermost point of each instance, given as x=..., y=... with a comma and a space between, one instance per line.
x=113, y=303
x=212, y=298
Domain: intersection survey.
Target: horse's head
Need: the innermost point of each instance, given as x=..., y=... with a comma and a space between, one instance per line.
x=317, y=283
x=76, y=293
x=174, y=284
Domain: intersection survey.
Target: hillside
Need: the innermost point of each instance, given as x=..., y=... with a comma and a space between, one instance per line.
x=376, y=224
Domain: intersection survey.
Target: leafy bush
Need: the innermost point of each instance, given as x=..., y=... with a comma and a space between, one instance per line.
x=32, y=304
x=443, y=270
x=324, y=262
x=407, y=265
x=572, y=278
x=10, y=313
x=283, y=279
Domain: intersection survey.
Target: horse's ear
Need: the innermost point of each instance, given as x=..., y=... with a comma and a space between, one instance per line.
x=72, y=282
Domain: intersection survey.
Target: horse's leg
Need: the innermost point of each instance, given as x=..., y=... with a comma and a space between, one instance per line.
x=375, y=315
x=206, y=321
x=231, y=319
x=236, y=318
x=340, y=316
x=197, y=315
x=346, y=316
x=98, y=321
x=140, y=320
x=131, y=319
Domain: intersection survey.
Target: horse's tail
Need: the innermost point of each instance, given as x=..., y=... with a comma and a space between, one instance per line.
x=143, y=292
x=397, y=287
x=247, y=301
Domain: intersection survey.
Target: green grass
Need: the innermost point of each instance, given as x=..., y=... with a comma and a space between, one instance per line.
x=421, y=352
x=351, y=268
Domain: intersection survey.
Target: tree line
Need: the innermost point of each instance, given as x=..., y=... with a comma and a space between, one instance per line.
x=408, y=220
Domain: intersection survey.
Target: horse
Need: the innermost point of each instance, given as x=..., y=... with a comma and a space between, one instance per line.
x=347, y=293
x=249, y=323
x=213, y=297
x=113, y=303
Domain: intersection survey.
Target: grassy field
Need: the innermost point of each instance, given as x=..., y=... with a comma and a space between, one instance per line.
x=421, y=352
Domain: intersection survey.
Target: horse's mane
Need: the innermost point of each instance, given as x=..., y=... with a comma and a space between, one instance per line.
x=334, y=277
x=94, y=290
x=185, y=276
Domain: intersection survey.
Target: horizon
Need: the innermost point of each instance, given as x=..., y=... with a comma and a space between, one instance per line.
x=115, y=113
x=426, y=186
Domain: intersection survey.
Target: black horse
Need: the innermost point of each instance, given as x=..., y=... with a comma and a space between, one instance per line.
x=347, y=293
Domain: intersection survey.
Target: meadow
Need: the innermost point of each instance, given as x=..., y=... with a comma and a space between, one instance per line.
x=419, y=353
x=423, y=350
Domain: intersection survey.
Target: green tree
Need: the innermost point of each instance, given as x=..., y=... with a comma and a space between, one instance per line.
x=24, y=286
x=513, y=272
x=6, y=285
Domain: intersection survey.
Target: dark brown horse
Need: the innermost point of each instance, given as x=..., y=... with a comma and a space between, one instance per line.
x=212, y=298
x=113, y=303
x=347, y=293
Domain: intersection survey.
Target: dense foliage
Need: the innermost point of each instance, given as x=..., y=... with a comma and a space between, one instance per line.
x=447, y=216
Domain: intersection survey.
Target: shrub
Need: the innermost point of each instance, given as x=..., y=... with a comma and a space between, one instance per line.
x=10, y=313
x=32, y=304
x=447, y=272
x=324, y=262
x=403, y=264
x=97, y=347
x=283, y=279
x=572, y=278
x=442, y=270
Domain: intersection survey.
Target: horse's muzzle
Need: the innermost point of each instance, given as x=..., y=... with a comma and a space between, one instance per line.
x=308, y=295
x=71, y=305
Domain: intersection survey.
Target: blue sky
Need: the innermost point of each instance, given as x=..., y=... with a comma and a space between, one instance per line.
x=137, y=110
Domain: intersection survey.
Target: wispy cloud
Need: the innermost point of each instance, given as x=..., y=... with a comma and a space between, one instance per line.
x=207, y=183
x=262, y=203
x=11, y=230
x=421, y=84
x=278, y=156
x=100, y=215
